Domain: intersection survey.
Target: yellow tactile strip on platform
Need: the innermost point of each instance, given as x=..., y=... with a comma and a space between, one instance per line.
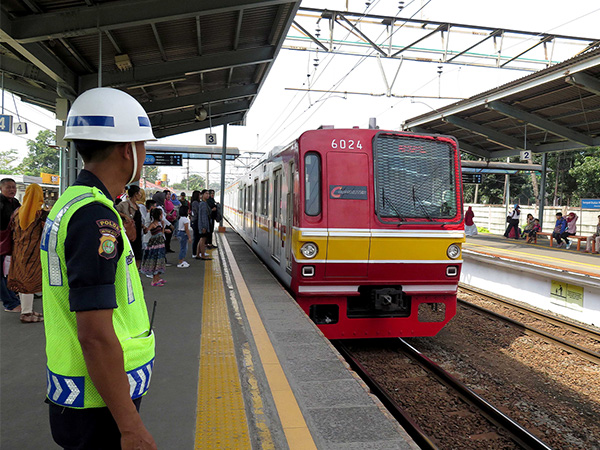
x=221, y=417
x=296, y=430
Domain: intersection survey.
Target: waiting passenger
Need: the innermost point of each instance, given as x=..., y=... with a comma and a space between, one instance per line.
x=470, y=227
x=533, y=231
x=571, y=228
x=154, y=261
x=25, y=274
x=513, y=222
x=528, y=226
x=593, y=238
x=560, y=227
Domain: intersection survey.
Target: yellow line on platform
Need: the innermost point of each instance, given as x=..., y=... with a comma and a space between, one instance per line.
x=220, y=416
x=294, y=426
x=530, y=255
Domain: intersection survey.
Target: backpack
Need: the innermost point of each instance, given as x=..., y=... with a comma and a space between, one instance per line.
x=218, y=213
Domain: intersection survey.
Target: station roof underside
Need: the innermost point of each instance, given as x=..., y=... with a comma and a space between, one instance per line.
x=554, y=109
x=191, y=64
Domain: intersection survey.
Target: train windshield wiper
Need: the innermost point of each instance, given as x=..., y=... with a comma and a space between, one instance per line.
x=417, y=199
x=398, y=215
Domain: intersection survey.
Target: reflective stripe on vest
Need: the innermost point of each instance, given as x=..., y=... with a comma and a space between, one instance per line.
x=68, y=381
x=70, y=391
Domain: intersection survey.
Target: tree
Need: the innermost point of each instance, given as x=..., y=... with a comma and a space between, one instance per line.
x=43, y=155
x=7, y=157
x=196, y=182
x=151, y=173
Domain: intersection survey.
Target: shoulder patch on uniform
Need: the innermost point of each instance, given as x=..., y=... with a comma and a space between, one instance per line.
x=107, y=226
x=108, y=246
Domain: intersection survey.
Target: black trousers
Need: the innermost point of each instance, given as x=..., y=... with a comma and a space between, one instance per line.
x=196, y=238
x=85, y=429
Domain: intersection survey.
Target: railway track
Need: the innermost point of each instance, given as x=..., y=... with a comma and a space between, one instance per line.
x=586, y=353
x=509, y=428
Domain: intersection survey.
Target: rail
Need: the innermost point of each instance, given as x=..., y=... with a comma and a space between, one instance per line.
x=585, y=353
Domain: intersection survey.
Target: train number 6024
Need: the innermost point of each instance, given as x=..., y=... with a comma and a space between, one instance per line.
x=350, y=144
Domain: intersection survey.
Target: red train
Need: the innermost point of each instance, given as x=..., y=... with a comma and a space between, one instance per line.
x=364, y=226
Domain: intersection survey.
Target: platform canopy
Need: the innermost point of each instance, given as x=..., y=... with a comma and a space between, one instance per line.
x=192, y=64
x=554, y=109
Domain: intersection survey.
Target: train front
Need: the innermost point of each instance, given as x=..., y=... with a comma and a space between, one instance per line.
x=378, y=232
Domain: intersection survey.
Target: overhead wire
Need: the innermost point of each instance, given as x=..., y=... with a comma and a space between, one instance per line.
x=330, y=58
x=335, y=85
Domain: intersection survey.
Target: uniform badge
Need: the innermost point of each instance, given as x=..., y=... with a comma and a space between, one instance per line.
x=108, y=246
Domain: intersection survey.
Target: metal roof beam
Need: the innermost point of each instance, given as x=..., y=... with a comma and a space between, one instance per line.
x=540, y=122
x=309, y=35
x=499, y=94
x=163, y=55
x=542, y=41
x=189, y=116
x=38, y=55
x=442, y=27
x=25, y=70
x=174, y=69
x=46, y=96
x=190, y=101
x=361, y=34
x=231, y=118
x=119, y=14
x=472, y=150
x=584, y=81
x=562, y=146
x=489, y=133
x=493, y=34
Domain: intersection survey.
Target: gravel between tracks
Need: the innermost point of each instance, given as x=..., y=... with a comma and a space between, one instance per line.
x=554, y=394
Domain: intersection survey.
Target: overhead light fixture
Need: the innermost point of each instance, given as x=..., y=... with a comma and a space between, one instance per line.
x=123, y=62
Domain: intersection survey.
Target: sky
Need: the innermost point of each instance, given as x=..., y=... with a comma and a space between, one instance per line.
x=280, y=113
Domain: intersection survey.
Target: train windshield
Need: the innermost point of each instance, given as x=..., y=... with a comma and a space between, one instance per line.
x=415, y=178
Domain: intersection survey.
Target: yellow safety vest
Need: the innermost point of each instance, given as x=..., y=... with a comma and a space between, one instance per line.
x=68, y=380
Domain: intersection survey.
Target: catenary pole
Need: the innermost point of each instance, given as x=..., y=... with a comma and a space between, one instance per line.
x=223, y=162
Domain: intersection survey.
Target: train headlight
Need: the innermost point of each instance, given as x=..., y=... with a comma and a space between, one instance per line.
x=453, y=251
x=309, y=250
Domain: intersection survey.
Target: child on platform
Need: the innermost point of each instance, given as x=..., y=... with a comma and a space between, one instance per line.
x=184, y=234
x=154, y=260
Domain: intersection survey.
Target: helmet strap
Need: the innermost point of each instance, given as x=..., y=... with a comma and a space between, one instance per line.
x=134, y=150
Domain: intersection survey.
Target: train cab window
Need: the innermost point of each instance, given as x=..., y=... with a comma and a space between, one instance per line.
x=312, y=184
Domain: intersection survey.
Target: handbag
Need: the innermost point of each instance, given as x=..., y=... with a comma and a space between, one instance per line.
x=508, y=219
x=130, y=230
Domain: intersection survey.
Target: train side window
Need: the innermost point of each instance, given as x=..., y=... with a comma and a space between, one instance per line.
x=264, y=188
x=312, y=184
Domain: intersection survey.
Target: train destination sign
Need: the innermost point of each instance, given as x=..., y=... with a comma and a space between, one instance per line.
x=348, y=192
x=472, y=178
x=163, y=159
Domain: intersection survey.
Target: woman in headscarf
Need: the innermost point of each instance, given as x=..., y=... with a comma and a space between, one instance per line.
x=130, y=210
x=25, y=273
x=470, y=227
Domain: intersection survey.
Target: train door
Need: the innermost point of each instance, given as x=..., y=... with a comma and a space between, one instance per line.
x=255, y=212
x=348, y=218
x=289, y=223
x=276, y=228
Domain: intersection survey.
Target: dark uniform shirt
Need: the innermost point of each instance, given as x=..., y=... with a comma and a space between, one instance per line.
x=90, y=268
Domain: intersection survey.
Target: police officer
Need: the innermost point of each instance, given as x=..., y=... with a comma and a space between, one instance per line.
x=99, y=344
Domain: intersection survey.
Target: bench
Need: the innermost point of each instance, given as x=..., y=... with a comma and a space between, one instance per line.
x=579, y=239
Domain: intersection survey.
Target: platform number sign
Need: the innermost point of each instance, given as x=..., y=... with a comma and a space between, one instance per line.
x=526, y=155
x=211, y=139
x=20, y=128
x=6, y=123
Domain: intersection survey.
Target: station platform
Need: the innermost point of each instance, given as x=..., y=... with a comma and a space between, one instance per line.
x=238, y=366
x=566, y=282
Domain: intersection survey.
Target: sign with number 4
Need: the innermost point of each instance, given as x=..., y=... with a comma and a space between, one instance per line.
x=20, y=128
x=211, y=139
x=6, y=123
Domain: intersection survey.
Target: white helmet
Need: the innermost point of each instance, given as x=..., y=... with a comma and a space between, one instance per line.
x=106, y=114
